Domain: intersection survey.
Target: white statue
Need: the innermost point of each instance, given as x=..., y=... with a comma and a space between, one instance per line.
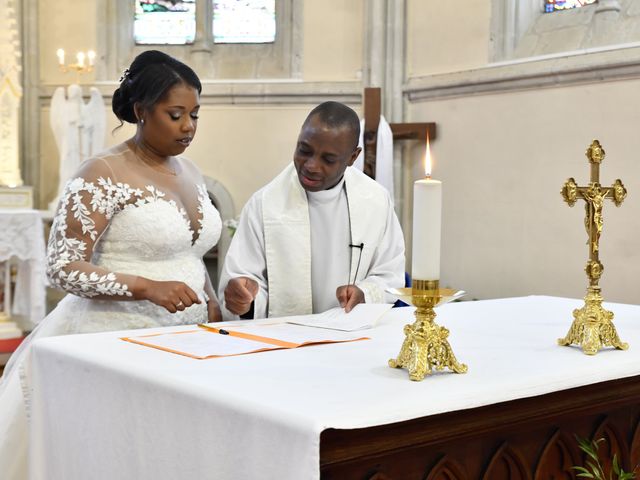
x=78, y=128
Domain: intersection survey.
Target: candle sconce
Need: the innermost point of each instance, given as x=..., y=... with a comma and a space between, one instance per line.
x=426, y=346
x=84, y=63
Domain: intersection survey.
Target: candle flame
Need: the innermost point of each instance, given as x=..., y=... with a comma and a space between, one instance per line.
x=427, y=160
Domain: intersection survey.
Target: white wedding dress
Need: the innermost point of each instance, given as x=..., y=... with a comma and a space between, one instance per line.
x=118, y=219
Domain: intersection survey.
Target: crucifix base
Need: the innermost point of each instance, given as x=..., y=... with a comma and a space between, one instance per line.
x=426, y=346
x=592, y=327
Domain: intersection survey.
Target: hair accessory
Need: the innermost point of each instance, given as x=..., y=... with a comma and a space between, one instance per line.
x=124, y=76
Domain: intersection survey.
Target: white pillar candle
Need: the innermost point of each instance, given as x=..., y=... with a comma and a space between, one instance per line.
x=60, y=54
x=427, y=213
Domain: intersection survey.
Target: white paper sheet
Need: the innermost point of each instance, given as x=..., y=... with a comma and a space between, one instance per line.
x=363, y=316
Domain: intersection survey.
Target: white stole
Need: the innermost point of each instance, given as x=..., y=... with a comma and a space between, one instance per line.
x=287, y=236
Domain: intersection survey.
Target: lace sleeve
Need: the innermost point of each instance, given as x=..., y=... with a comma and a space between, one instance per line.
x=86, y=207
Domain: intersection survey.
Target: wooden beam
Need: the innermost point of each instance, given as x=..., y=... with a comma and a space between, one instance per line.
x=413, y=131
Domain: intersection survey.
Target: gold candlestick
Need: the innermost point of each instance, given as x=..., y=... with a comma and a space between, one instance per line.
x=426, y=346
x=592, y=327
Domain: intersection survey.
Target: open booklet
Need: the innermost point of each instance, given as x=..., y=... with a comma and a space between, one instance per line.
x=239, y=338
x=362, y=316
x=211, y=342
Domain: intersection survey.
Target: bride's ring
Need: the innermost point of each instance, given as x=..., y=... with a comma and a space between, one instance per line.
x=179, y=304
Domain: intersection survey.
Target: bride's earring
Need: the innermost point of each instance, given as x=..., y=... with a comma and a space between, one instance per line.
x=142, y=121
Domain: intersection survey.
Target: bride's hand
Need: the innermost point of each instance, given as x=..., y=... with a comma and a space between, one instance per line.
x=173, y=296
x=213, y=311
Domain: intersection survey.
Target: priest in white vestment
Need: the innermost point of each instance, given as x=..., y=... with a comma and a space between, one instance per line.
x=320, y=235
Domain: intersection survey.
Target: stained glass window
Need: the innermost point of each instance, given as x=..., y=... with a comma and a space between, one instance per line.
x=555, y=5
x=165, y=22
x=244, y=21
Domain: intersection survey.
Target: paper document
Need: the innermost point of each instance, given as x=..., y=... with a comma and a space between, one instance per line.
x=221, y=340
x=363, y=315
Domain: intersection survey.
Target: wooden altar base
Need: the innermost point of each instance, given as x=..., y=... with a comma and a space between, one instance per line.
x=531, y=438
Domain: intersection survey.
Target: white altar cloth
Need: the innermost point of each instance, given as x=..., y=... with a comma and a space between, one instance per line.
x=22, y=240
x=106, y=409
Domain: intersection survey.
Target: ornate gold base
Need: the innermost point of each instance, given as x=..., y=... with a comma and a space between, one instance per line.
x=592, y=327
x=426, y=346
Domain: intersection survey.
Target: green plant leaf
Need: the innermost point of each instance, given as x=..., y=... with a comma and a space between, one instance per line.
x=615, y=465
x=594, y=469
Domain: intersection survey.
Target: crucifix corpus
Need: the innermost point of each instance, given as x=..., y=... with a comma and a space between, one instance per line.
x=401, y=131
x=592, y=326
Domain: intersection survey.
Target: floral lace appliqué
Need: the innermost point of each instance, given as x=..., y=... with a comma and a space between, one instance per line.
x=105, y=198
x=80, y=201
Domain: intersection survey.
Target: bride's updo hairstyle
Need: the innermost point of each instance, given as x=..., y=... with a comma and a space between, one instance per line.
x=151, y=75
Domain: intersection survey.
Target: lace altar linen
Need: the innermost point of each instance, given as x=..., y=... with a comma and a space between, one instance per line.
x=22, y=241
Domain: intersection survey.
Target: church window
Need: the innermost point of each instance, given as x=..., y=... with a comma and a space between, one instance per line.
x=165, y=22
x=555, y=5
x=233, y=39
x=244, y=21
x=173, y=22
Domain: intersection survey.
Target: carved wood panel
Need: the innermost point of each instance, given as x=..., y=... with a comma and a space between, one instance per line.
x=530, y=439
x=447, y=469
x=634, y=450
x=507, y=464
x=560, y=454
x=614, y=444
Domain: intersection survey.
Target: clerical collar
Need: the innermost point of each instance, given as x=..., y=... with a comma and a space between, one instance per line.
x=326, y=196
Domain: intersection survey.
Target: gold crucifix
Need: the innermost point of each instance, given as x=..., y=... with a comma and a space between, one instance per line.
x=592, y=326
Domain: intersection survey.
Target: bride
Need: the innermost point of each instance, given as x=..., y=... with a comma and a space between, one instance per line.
x=129, y=234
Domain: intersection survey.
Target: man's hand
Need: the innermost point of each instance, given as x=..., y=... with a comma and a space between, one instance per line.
x=239, y=293
x=349, y=296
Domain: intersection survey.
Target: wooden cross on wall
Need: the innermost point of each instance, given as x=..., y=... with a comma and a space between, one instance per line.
x=401, y=131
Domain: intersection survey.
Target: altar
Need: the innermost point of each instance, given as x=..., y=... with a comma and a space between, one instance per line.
x=22, y=244
x=103, y=408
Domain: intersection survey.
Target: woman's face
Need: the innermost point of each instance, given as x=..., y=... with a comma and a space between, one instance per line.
x=171, y=125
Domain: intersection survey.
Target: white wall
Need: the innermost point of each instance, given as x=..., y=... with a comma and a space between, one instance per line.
x=333, y=40
x=446, y=36
x=503, y=156
x=503, y=160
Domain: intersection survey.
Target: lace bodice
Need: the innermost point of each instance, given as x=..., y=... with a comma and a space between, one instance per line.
x=120, y=219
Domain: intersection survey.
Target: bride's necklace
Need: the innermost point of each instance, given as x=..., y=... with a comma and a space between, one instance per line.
x=151, y=163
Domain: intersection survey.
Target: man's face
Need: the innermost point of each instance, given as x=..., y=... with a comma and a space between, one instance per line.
x=171, y=124
x=322, y=155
